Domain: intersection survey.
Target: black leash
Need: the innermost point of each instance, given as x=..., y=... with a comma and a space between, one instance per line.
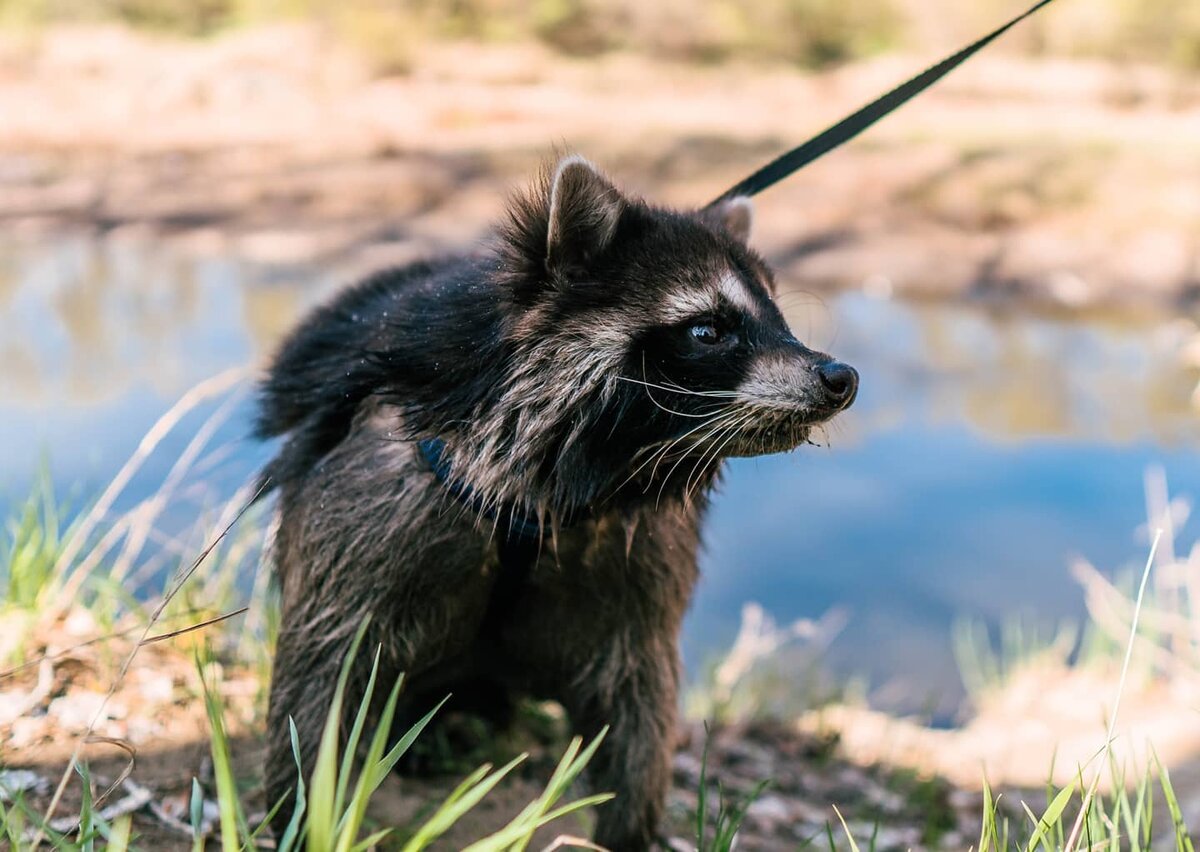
x=520, y=536
x=852, y=125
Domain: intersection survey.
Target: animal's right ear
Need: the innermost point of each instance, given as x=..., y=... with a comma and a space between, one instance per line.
x=583, y=216
x=734, y=215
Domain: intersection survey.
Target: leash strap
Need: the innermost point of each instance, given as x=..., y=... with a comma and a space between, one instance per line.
x=852, y=125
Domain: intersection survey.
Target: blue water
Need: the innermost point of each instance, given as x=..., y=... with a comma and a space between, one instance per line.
x=985, y=452
x=913, y=529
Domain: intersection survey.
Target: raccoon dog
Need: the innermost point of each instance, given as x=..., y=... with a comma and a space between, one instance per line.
x=504, y=460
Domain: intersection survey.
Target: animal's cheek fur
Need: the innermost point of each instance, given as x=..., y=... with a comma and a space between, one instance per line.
x=595, y=337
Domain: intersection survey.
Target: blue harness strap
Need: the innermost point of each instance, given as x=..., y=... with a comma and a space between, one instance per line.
x=519, y=537
x=511, y=523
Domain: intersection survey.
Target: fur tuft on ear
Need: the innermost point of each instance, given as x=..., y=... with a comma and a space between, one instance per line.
x=734, y=215
x=583, y=215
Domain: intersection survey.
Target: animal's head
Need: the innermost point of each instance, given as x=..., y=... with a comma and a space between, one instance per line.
x=651, y=337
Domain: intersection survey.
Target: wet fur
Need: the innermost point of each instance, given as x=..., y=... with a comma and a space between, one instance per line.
x=526, y=362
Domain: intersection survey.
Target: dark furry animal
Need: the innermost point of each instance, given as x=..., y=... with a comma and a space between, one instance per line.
x=587, y=373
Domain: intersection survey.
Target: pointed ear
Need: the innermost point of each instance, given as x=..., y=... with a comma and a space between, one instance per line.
x=734, y=215
x=584, y=211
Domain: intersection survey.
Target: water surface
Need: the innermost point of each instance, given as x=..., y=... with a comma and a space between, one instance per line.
x=987, y=448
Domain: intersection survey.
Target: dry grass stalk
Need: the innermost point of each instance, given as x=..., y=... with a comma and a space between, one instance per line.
x=1073, y=840
x=66, y=776
x=73, y=577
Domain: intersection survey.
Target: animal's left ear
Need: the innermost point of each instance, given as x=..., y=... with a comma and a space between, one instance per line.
x=734, y=215
x=583, y=216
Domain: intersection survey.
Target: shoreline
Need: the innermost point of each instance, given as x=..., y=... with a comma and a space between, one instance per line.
x=1058, y=185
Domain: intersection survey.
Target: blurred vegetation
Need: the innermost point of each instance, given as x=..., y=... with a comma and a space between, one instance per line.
x=1160, y=31
x=809, y=33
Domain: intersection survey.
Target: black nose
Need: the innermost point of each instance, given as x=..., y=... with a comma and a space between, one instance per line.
x=840, y=381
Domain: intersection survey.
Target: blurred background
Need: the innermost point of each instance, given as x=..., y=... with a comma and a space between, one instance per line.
x=1012, y=262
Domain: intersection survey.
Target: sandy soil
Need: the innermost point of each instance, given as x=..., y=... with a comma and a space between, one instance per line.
x=1068, y=184
x=905, y=785
x=150, y=740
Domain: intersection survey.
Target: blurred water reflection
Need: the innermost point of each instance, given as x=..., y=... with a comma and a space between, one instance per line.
x=986, y=446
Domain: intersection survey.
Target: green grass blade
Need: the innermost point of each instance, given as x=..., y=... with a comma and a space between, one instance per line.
x=229, y=806
x=987, y=829
x=350, y=748
x=405, y=742
x=846, y=829
x=324, y=806
x=19, y=813
x=11, y=823
x=1183, y=840
x=118, y=838
x=251, y=841
x=516, y=831
x=569, y=767
x=371, y=840
x=464, y=797
x=702, y=792
x=737, y=814
x=292, y=834
x=1051, y=817
x=87, y=831
x=196, y=814
x=371, y=776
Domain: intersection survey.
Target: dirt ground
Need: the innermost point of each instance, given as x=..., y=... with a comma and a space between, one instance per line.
x=910, y=811
x=905, y=786
x=1064, y=184
x=150, y=739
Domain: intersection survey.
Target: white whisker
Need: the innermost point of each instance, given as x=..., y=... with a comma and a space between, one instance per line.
x=679, y=389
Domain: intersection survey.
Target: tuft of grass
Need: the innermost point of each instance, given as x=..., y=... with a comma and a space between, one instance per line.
x=1077, y=816
x=730, y=813
x=1158, y=31
x=32, y=541
x=333, y=821
x=809, y=33
x=330, y=811
x=986, y=667
x=1123, y=820
x=930, y=796
x=90, y=831
x=30, y=546
x=770, y=671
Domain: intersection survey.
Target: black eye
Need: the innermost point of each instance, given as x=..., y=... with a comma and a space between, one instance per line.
x=705, y=333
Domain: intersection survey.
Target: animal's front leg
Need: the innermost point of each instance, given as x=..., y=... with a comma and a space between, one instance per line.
x=634, y=762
